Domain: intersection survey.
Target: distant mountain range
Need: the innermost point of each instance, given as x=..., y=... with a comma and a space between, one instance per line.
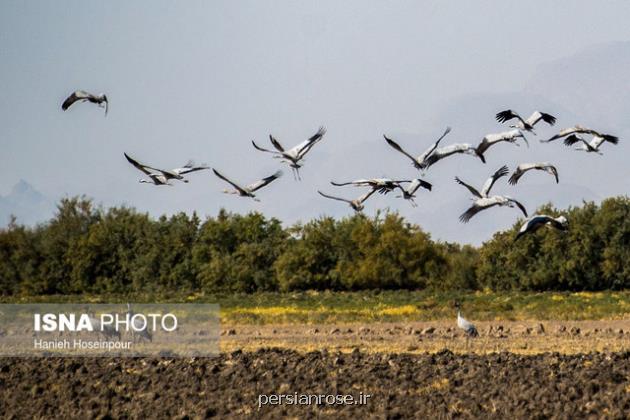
x=27, y=204
x=593, y=83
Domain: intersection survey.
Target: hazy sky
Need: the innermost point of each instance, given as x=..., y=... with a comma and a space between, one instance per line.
x=202, y=79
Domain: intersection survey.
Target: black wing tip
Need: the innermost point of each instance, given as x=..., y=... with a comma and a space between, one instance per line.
x=513, y=180
x=503, y=116
x=611, y=139
x=548, y=118
x=130, y=159
x=571, y=140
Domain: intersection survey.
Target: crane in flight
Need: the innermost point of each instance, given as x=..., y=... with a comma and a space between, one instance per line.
x=529, y=123
x=510, y=136
x=356, y=204
x=591, y=146
x=539, y=220
x=83, y=96
x=419, y=162
x=248, y=191
x=578, y=129
x=524, y=167
x=482, y=199
x=409, y=191
x=163, y=176
x=294, y=156
x=383, y=185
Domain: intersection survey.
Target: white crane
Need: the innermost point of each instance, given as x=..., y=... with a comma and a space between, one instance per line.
x=409, y=192
x=248, y=191
x=541, y=166
x=420, y=161
x=444, y=152
x=483, y=201
x=539, y=220
x=529, y=123
x=163, y=176
x=382, y=185
x=295, y=155
x=356, y=204
x=462, y=323
x=578, y=129
x=510, y=136
x=83, y=96
x=590, y=146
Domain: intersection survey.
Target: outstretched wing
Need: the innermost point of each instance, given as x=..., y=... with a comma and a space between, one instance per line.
x=317, y=136
x=537, y=116
x=265, y=181
x=472, y=189
x=232, y=183
x=554, y=171
x=415, y=184
x=487, y=186
x=572, y=139
x=365, y=196
x=507, y=115
x=339, y=198
x=304, y=148
x=520, y=206
x=262, y=149
x=143, y=168
x=359, y=182
x=610, y=138
x=474, y=209
x=565, y=132
x=434, y=146
x=189, y=167
x=518, y=173
x=396, y=146
x=276, y=143
x=74, y=97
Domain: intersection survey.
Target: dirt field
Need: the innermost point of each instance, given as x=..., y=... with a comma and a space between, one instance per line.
x=427, y=370
x=441, y=385
x=531, y=337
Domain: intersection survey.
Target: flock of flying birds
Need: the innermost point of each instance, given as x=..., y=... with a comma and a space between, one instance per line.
x=482, y=199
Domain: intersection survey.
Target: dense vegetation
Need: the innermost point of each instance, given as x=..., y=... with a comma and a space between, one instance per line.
x=84, y=249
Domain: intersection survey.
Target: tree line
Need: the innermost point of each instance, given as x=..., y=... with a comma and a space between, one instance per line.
x=88, y=249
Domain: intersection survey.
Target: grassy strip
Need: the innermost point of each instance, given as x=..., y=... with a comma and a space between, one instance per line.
x=382, y=306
